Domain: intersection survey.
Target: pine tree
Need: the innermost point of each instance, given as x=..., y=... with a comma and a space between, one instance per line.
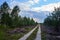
x=54, y=19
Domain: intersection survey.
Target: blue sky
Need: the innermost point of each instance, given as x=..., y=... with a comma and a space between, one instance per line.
x=36, y=9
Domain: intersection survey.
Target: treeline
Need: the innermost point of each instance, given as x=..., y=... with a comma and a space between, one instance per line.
x=9, y=17
x=53, y=20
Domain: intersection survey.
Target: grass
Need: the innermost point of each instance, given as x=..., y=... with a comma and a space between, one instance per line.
x=28, y=29
x=6, y=36
x=33, y=35
x=2, y=35
x=43, y=35
x=14, y=36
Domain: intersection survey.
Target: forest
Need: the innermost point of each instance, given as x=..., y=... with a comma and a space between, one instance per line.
x=10, y=17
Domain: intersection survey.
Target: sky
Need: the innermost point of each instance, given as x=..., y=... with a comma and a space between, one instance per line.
x=36, y=9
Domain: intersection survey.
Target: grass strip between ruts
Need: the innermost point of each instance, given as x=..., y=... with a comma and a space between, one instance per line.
x=33, y=35
x=43, y=35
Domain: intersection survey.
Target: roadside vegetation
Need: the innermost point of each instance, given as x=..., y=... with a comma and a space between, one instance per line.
x=43, y=35
x=12, y=25
x=13, y=34
x=52, y=23
x=53, y=20
x=33, y=35
x=43, y=32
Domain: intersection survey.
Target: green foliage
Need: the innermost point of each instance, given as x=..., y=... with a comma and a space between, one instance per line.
x=53, y=19
x=15, y=11
x=43, y=35
x=2, y=35
x=4, y=7
x=12, y=19
x=5, y=19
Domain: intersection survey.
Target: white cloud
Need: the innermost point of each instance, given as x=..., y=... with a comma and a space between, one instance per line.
x=49, y=7
x=36, y=1
x=30, y=2
x=27, y=7
x=22, y=6
x=36, y=20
